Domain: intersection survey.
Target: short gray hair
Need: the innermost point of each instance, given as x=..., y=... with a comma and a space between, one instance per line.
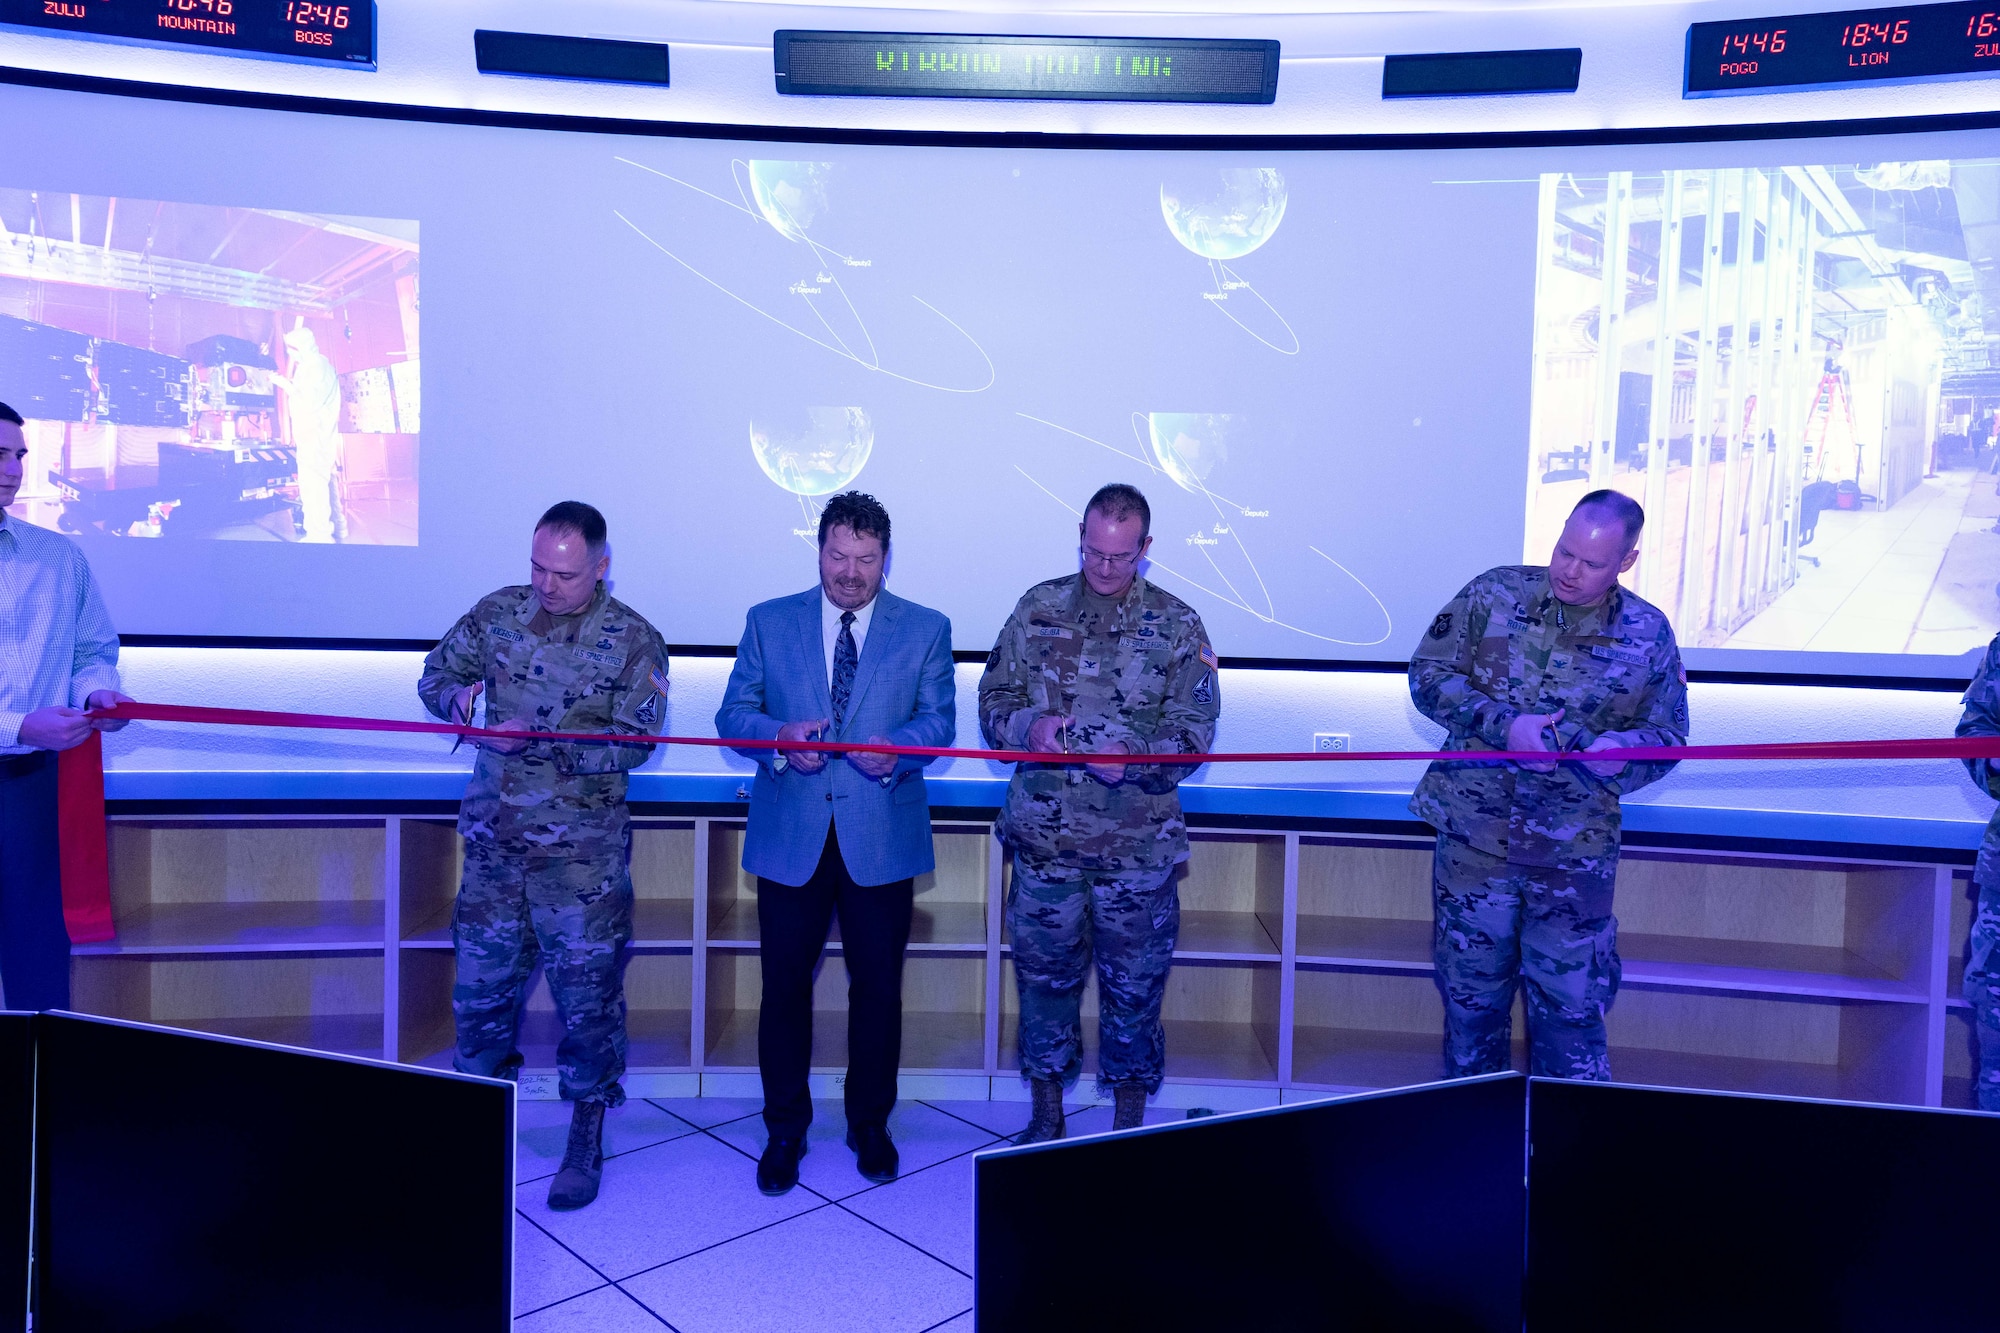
x=1120, y=501
x=1617, y=505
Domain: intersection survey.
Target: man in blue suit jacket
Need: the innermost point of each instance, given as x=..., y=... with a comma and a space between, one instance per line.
x=837, y=833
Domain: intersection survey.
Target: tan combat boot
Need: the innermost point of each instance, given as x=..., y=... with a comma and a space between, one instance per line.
x=1046, y=1125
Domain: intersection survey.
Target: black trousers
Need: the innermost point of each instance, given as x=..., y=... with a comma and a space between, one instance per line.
x=792, y=925
x=34, y=943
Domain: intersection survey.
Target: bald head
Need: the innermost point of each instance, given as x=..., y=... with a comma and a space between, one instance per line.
x=1600, y=542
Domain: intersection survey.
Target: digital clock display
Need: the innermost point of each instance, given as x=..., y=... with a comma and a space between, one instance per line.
x=336, y=32
x=1097, y=69
x=1862, y=45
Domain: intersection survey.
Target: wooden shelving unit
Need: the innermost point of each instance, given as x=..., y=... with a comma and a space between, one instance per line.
x=1303, y=966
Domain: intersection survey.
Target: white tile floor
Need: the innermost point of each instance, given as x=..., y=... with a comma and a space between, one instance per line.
x=681, y=1238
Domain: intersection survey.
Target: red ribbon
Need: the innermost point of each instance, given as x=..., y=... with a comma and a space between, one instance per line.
x=1959, y=747
x=80, y=841
x=86, y=882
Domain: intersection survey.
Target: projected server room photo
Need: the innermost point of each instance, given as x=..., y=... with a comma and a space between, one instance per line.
x=729, y=666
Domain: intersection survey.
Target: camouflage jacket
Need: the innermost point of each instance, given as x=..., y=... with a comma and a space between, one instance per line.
x=1145, y=676
x=1505, y=646
x=554, y=798
x=1982, y=718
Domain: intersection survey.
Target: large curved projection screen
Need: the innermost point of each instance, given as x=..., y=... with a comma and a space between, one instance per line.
x=311, y=376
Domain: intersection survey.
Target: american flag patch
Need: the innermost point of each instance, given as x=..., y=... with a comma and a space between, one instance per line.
x=658, y=679
x=1208, y=656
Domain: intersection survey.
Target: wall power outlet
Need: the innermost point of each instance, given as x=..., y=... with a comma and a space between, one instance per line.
x=1331, y=742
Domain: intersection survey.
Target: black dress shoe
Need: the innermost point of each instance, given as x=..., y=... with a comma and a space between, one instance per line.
x=875, y=1154
x=778, y=1168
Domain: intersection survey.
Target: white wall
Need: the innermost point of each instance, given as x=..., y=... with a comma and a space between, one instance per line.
x=1330, y=83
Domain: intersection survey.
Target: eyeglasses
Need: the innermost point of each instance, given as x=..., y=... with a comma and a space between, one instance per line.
x=1109, y=561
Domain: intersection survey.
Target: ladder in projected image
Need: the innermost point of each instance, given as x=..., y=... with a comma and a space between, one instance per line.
x=1832, y=388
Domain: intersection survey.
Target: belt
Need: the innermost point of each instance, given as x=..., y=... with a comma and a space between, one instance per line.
x=23, y=765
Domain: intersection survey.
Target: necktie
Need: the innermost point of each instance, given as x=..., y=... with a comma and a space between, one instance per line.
x=845, y=660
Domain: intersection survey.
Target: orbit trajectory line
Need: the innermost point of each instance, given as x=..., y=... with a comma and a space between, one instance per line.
x=1953, y=747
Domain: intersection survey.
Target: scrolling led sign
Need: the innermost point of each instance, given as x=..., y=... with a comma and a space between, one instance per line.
x=1068, y=69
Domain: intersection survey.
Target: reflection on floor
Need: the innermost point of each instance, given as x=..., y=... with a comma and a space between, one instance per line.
x=1917, y=577
x=680, y=1238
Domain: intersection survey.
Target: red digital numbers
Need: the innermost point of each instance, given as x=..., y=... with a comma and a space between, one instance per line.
x=1863, y=35
x=219, y=8
x=1760, y=43
x=1983, y=25
x=308, y=15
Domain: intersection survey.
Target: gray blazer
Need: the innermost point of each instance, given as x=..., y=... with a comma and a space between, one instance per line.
x=902, y=689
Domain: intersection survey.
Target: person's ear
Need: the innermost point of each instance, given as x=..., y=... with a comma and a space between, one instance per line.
x=1631, y=559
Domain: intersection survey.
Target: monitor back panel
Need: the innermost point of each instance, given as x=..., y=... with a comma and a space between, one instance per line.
x=1658, y=1209
x=192, y=1182
x=1400, y=1209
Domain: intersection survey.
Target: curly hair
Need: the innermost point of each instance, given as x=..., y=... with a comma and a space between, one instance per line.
x=857, y=511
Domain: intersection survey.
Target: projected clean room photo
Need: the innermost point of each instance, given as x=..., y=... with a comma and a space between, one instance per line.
x=1799, y=391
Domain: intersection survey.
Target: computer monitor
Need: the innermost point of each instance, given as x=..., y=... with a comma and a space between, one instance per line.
x=1663, y=1209
x=1395, y=1209
x=197, y=1182
x=17, y=1164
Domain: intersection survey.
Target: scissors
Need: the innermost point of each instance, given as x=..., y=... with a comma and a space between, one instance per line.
x=469, y=699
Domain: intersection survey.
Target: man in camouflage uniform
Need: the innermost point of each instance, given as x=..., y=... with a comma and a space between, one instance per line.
x=1101, y=662
x=547, y=834
x=1540, y=658
x=1982, y=949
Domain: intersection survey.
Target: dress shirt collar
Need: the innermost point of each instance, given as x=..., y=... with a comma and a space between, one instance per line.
x=829, y=619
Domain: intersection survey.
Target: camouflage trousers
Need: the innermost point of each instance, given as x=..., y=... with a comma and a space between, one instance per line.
x=1982, y=978
x=1502, y=926
x=1058, y=918
x=574, y=917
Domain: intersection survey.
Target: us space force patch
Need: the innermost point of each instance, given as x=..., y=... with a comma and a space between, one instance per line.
x=1442, y=625
x=649, y=712
x=1204, y=693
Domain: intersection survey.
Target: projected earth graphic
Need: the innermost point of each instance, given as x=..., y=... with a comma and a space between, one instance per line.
x=1190, y=446
x=791, y=195
x=1222, y=215
x=814, y=454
